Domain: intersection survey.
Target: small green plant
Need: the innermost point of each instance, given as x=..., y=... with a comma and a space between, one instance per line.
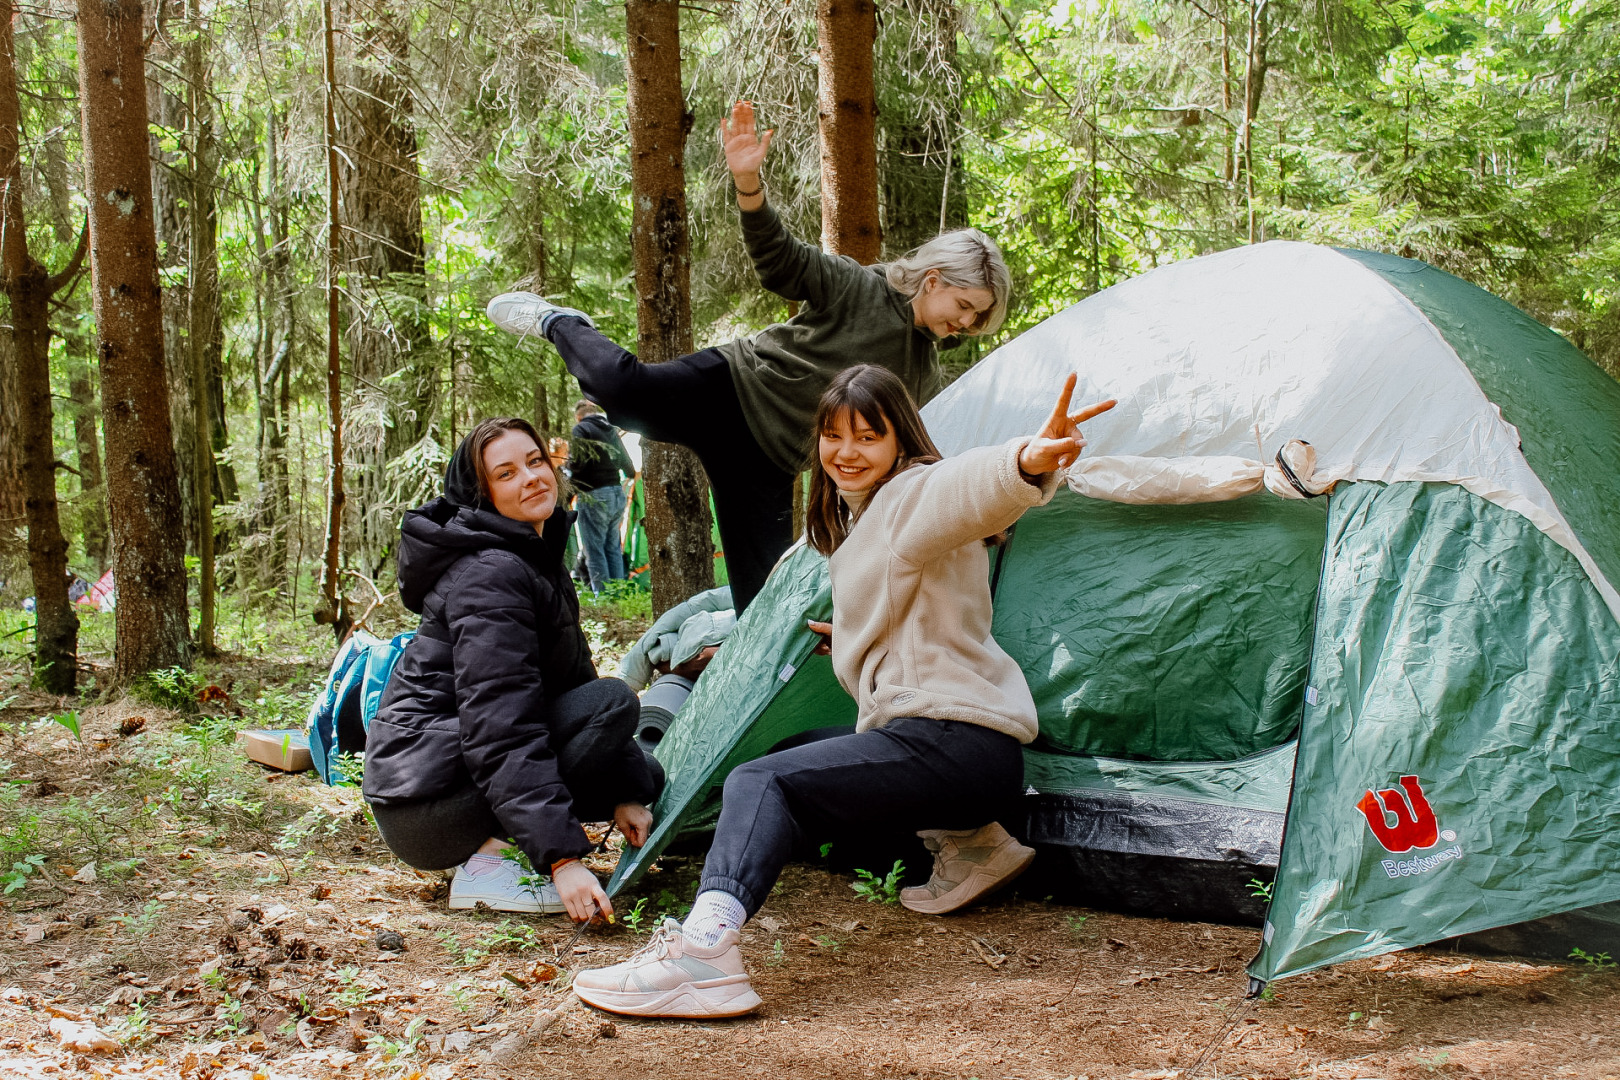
x=777, y=954
x=507, y=936
x=232, y=1016
x=69, y=720
x=826, y=849
x=21, y=871
x=880, y=890
x=393, y=1052
x=1075, y=923
x=353, y=990
x=1594, y=961
x=1260, y=889
x=669, y=905
x=350, y=769
x=635, y=916
x=1433, y=1062
x=1352, y=1019
x=135, y=1028
x=141, y=925
x=461, y=996
x=463, y=955
x=827, y=941
x=168, y=688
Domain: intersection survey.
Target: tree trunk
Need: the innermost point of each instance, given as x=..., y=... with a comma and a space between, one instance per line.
x=11, y=445
x=332, y=611
x=278, y=377
x=167, y=112
x=93, y=511
x=677, y=518
x=144, y=506
x=28, y=287
x=847, y=104
x=1254, y=84
x=390, y=344
x=203, y=328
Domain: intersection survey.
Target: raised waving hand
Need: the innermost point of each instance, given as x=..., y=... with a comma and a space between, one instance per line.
x=1059, y=442
x=745, y=151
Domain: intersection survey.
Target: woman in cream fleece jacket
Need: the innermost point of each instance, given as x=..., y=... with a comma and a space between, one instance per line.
x=943, y=710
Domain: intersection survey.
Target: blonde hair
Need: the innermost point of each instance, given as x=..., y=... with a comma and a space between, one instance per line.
x=965, y=258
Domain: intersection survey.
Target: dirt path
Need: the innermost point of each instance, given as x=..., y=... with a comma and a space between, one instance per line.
x=237, y=925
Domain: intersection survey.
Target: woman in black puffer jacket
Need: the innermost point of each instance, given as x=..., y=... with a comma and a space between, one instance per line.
x=494, y=730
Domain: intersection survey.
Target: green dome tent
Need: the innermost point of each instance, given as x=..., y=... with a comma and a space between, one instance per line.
x=1403, y=696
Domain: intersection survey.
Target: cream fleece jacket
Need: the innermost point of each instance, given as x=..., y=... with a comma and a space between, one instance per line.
x=911, y=596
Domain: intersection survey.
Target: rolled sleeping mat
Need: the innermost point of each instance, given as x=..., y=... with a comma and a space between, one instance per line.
x=659, y=704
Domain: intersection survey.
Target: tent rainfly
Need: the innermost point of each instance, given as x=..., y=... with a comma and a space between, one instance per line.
x=1403, y=697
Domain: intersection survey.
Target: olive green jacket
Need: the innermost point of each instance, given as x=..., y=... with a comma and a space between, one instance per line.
x=848, y=314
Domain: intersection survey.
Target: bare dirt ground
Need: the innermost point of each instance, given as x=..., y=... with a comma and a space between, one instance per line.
x=248, y=925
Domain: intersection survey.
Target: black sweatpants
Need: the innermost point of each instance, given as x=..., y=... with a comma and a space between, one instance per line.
x=692, y=401
x=915, y=773
x=592, y=730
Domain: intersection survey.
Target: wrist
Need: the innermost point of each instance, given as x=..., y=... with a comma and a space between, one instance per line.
x=560, y=863
x=748, y=185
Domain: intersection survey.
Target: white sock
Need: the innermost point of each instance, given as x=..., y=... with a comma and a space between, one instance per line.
x=712, y=914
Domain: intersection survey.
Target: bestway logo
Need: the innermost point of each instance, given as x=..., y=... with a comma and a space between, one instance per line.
x=1402, y=820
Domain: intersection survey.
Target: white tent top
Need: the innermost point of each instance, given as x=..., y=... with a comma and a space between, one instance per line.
x=1233, y=355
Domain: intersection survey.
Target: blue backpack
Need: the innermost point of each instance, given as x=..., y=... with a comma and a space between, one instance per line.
x=341, y=714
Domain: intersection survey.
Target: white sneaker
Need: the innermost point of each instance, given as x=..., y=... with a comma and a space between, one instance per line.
x=526, y=314
x=502, y=890
x=671, y=976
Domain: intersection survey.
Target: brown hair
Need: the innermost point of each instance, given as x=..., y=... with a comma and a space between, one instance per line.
x=877, y=396
x=488, y=431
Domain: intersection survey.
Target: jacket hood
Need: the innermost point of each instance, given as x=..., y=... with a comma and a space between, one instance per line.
x=599, y=427
x=434, y=537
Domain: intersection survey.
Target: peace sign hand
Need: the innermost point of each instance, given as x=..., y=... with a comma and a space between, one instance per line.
x=1059, y=442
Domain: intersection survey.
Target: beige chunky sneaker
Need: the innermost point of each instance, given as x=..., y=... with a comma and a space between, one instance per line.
x=967, y=865
x=671, y=976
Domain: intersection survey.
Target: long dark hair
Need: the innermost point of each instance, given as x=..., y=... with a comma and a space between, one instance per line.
x=877, y=396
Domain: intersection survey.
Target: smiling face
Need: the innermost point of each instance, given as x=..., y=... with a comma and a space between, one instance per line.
x=946, y=310
x=522, y=485
x=853, y=455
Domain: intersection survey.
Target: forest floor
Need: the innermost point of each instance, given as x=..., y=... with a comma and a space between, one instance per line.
x=235, y=923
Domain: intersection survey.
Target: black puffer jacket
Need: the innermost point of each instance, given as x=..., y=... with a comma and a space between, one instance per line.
x=499, y=640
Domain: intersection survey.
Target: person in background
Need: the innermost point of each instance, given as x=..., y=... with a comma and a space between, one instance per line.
x=597, y=460
x=745, y=407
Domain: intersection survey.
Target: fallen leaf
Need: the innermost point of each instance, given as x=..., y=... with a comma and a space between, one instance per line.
x=86, y=874
x=34, y=935
x=82, y=1038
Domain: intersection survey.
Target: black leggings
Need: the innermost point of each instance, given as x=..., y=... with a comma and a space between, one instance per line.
x=691, y=401
x=592, y=729
x=914, y=773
